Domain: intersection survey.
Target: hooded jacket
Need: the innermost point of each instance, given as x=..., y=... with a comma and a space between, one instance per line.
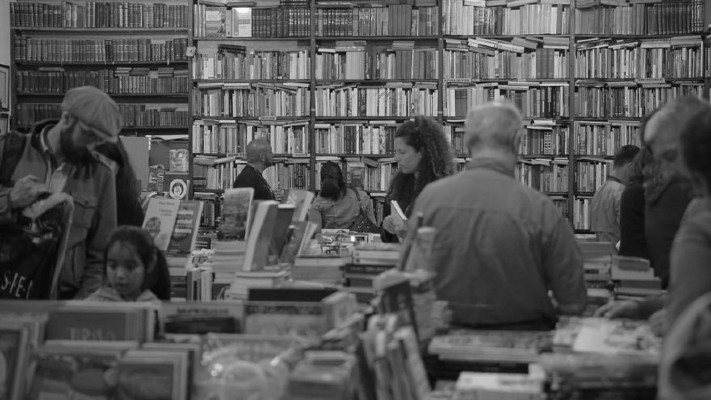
x=94, y=192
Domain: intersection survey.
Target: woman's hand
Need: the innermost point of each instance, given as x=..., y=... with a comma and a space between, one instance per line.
x=395, y=226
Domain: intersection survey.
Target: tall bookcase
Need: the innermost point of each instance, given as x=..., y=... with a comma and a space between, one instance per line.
x=135, y=51
x=582, y=72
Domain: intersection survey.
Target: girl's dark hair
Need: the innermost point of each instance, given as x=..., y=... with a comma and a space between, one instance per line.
x=157, y=278
x=333, y=184
x=128, y=194
x=425, y=136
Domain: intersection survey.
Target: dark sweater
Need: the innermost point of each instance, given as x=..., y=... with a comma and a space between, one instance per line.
x=633, y=243
x=250, y=177
x=662, y=219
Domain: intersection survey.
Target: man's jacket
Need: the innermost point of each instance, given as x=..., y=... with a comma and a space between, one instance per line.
x=93, y=189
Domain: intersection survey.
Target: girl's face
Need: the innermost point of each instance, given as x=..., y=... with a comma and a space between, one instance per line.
x=125, y=271
x=406, y=156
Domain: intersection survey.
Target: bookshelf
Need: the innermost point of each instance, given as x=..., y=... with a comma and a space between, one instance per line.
x=331, y=80
x=135, y=51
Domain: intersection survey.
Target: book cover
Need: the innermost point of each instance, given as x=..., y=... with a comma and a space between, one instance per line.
x=176, y=184
x=285, y=213
x=260, y=236
x=159, y=220
x=153, y=374
x=215, y=21
x=96, y=324
x=13, y=360
x=185, y=231
x=236, y=214
x=301, y=200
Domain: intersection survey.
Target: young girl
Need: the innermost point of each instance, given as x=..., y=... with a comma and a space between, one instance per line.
x=134, y=270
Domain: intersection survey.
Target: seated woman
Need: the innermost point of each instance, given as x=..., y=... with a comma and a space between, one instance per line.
x=337, y=205
x=134, y=269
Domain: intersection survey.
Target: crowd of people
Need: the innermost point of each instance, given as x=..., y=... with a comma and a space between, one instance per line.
x=503, y=256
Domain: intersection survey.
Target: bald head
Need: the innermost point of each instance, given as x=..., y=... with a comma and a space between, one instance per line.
x=496, y=125
x=663, y=130
x=259, y=151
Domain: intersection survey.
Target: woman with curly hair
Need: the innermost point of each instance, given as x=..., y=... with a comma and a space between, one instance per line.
x=423, y=156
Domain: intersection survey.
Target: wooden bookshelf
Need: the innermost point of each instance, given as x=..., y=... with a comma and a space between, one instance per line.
x=135, y=51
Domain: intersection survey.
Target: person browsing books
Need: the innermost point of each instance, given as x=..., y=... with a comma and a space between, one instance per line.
x=259, y=157
x=135, y=270
x=423, y=156
x=338, y=205
x=605, y=204
x=500, y=246
x=677, y=136
x=58, y=157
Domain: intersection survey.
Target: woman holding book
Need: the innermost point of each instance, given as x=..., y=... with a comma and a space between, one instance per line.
x=423, y=156
x=338, y=205
x=134, y=269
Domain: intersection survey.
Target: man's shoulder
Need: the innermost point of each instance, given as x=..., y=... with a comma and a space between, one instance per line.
x=106, y=162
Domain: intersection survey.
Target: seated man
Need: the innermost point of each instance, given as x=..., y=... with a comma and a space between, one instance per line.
x=500, y=246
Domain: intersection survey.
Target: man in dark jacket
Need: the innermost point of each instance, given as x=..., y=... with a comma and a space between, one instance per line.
x=58, y=157
x=259, y=157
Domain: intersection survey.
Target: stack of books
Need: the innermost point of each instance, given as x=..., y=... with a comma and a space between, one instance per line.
x=634, y=277
x=323, y=375
x=500, y=386
x=368, y=261
x=246, y=280
x=326, y=269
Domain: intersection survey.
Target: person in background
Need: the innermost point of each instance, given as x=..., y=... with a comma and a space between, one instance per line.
x=605, y=205
x=423, y=156
x=58, y=157
x=679, y=118
x=500, y=246
x=135, y=269
x=337, y=205
x=259, y=157
x=633, y=242
x=129, y=210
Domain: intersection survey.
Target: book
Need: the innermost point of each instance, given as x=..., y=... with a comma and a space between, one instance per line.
x=153, y=373
x=398, y=213
x=176, y=184
x=159, y=220
x=185, y=230
x=301, y=200
x=285, y=213
x=14, y=358
x=236, y=214
x=260, y=236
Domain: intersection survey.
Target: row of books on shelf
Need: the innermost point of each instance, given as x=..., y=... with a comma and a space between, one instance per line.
x=392, y=20
x=547, y=176
x=513, y=17
x=134, y=115
x=627, y=99
x=472, y=60
x=47, y=50
x=263, y=22
x=401, y=60
x=639, y=17
x=231, y=137
x=252, y=100
x=120, y=80
x=95, y=14
x=238, y=62
x=534, y=99
x=604, y=138
x=640, y=59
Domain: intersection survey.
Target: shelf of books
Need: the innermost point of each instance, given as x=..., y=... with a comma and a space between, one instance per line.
x=330, y=81
x=136, y=52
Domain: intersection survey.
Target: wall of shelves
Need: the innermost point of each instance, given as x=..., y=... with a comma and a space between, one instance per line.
x=134, y=51
x=331, y=80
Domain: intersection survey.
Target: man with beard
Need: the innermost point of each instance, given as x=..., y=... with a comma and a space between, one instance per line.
x=58, y=157
x=259, y=157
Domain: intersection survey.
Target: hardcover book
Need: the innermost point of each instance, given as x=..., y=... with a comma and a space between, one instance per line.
x=185, y=231
x=159, y=220
x=236, y=214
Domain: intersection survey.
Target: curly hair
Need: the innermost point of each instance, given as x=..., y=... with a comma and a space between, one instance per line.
x=425, y=136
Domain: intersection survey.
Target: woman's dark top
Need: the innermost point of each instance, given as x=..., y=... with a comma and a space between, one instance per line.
x=633, y=243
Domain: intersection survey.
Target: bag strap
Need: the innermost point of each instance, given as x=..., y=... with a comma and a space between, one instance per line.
x=11, y=146
x=360, y=206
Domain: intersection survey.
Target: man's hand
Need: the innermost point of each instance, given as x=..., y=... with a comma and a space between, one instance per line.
x=619, y=309
x=658, y=322
x=26, y=191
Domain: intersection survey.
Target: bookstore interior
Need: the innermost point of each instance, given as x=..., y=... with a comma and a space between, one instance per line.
x=265, y=305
